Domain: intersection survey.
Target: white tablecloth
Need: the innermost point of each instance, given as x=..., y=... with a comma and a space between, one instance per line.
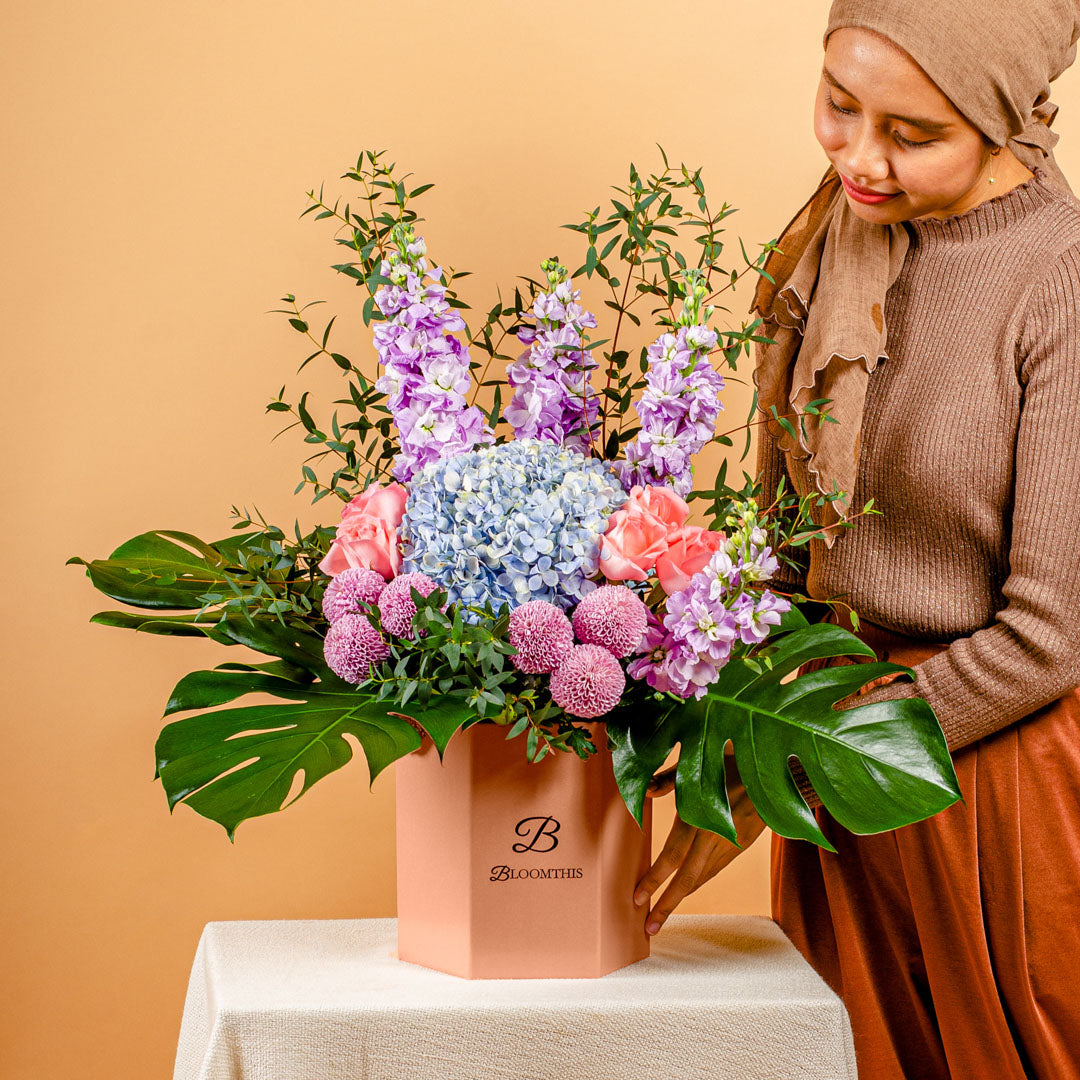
x=722, y=996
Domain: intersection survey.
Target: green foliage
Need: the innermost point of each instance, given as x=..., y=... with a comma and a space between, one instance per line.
x=876, y=767
x=261, y=590
x=786, y=517
x=658, y=229
x=360, y=445
x=233, y=764
x=646, y=231
x=456, y=670
x=261, y=572
x=161, y=569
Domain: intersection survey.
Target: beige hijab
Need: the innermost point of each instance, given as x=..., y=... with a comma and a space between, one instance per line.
x=995, y=60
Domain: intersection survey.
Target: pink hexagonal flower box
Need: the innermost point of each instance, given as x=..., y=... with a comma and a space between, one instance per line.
x=511, y=869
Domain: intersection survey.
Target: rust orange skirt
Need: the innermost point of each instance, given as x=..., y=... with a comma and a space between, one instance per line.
x=955, y=942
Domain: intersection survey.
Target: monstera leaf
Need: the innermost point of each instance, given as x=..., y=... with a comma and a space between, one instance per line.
x=163, y=569
x=195, y=624
x=233, y=764
x=876, y=767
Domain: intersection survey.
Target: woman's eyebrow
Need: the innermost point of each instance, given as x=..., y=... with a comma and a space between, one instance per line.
x=934, y=127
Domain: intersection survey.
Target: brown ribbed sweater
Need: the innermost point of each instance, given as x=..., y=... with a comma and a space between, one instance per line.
x=969, y=446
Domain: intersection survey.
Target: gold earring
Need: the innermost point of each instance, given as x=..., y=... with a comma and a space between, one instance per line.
x=993, y=154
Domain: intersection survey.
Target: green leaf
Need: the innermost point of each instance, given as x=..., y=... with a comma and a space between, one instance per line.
x=267, y=635
x=160, y=569
x=452, y=651
x=207, y=689
x=701, y=796
x=786, y=425
x=236, y=764
x=305, y=416
x=876, y=767
x=195, y=625
x=443, y=717
x=640, y=745
x=792, y=619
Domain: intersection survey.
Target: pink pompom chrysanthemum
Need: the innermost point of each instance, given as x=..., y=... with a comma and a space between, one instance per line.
x=589, y=682
x=349, y=589
x=353, y=647
x=612, y=617
x=396, y=602
x=542, y=635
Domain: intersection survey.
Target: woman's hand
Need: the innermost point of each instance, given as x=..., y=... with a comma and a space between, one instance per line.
x=695, y=855
x=883, y=681
x=852, y=700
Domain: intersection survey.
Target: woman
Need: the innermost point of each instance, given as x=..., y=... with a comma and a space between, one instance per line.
x=931, y=289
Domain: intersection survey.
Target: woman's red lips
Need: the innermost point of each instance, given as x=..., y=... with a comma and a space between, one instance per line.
x=865, y=195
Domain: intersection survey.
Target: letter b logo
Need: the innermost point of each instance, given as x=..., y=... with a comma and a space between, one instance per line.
x=539, y=832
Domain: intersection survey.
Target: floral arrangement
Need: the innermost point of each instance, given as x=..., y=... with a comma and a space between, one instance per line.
x=533, y=566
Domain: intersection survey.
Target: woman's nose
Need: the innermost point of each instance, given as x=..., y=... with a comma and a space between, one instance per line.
x=865, y=158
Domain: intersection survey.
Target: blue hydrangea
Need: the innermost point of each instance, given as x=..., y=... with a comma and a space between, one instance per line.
x=516, y=522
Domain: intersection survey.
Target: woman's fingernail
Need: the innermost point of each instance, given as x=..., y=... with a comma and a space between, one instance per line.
x=652, y=926
x=639, y=898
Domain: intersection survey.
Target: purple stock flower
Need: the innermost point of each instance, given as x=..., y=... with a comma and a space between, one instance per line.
x=704, y=624
x=654, y=665
x=683, y=654
x=754, y=619
x=681, y=402
x=425, y=367
x=678, y=409
x=670, y=665
x=553, y=395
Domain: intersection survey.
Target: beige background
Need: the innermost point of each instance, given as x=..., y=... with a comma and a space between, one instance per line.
x=155, y=163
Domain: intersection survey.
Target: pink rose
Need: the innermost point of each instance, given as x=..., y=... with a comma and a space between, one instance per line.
x=689, y=549
x=637, y=535
x=367, y=536
x=662, y=503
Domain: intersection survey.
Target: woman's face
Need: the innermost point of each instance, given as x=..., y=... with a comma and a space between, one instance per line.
x=888, y=129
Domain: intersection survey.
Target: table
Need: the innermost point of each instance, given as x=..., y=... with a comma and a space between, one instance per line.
x=722, y=996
